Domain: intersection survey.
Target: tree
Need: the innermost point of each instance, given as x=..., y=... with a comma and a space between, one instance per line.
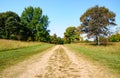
x=56, y=40
x=9, y=25
x=41, y=29
x=79, y=33
x=53, y=39
x=37, y=23
x=60, y=40
x=71, y=35
x=95, y=22
x=116, y=36
x=2, y=25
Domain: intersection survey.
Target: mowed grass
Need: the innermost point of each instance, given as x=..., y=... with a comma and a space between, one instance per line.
x=13, y=56
x=108, y=56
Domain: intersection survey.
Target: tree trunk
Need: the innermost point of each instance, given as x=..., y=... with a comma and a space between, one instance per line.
x=98, y=40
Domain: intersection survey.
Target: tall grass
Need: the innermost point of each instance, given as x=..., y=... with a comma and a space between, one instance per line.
x=108, y=56
x=12, y=44
x=13, y=56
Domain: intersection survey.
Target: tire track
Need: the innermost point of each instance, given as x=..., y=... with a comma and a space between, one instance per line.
x=65, y=64
x=59, y=66
x=59, y=62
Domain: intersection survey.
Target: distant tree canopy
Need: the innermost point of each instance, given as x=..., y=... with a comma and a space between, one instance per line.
x=71, y=34
x=116, y=36
x=56, y=40
x=10, y=25
x=36, y=22
x=31, y=26
x=95, y=22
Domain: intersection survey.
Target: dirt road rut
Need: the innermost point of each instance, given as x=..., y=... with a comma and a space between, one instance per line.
x=59, y=62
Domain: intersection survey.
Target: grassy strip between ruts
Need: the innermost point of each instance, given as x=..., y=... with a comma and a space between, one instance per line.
x=108, y=56
x=11, y=57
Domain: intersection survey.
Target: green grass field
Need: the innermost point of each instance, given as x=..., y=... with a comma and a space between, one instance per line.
x=12, y=44
x=108, y=56
x=11, y=55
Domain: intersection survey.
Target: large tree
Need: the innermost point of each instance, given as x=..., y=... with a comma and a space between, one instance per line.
x=71, y=35
x=95, y=22
x=37, y=23
x=2, y=25
x=9, y=25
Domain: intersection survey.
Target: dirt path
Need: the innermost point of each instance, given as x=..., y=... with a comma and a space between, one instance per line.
x=59, y=62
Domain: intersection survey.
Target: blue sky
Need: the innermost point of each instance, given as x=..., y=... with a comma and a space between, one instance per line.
x=61, y=13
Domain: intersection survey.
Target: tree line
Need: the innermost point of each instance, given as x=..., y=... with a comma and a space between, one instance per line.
x=32, y=25
x=95, y=23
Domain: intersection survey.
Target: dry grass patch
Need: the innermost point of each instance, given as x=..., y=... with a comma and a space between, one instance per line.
x=12, y=52
x=108, y=56
x=12, y=44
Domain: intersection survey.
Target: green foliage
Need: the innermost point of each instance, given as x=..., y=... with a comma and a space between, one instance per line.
x=56, y=40
x=71, y=35
x=2, y=25
x=115, y=38
x=31, y=26
x=95, y=22
x=37, y=23
x=60, y=40
x=10, y=25
x=53, y=39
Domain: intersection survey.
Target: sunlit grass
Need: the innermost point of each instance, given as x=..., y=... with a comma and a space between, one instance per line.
x=18, y=51
x=108, y=56
x=12, y=44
